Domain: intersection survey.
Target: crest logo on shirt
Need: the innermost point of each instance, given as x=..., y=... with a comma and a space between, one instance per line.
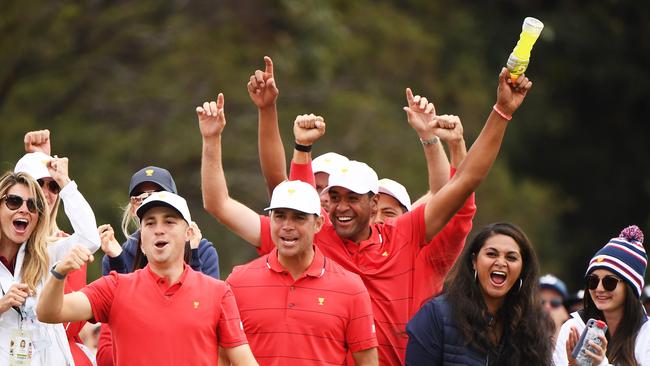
x=148, y=172
x=384, y=254
x=321, y=301
x=196, y=304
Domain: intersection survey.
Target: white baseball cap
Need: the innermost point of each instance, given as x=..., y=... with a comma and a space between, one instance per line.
x=396, y=190
x=328, y=162
x=296, y=195
x=34, y=164
x=165, y=199
x=355, y=176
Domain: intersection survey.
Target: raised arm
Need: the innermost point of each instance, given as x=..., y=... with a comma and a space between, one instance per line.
x=264, y=94
x=53, y=307
x=77, y=209
x=238, y=218
x=420, y=113
x=475, y=167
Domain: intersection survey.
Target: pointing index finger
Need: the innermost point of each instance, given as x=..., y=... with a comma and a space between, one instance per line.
x=269, y=65
x=409, y=96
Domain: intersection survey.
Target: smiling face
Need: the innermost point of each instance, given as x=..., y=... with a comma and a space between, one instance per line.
x=164, y=234
x=293, y=231
x=388, y=207
x=18, y=224
x=498, y=264
x=608, y=301
x=351, y=212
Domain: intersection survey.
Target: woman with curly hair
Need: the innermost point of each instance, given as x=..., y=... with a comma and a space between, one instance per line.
x=613, y=285
x=489, y=313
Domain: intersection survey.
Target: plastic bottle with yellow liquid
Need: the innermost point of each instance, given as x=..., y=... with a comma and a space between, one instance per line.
x=520, y=56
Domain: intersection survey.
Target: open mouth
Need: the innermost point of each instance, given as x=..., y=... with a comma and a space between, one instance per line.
x=289, y=240
x=160, y=244
x=20, y=225
x=344, y=219
x=498, y=278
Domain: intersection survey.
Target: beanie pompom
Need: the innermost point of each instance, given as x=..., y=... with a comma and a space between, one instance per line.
x=632, y=233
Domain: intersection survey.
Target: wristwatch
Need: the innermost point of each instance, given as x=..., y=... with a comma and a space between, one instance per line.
x=56, y=274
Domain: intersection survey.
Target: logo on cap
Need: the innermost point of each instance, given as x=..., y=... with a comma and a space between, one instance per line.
x=600, y=259
x=344, y=170
x=291, y=191
x=149, y=172
x=321, y=301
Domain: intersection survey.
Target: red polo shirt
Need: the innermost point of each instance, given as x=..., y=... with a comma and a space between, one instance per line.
x=313, y=320
x=154, y=323
x=386, y=263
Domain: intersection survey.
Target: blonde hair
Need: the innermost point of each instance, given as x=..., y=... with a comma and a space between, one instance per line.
x=36, y=260
x=129, y=219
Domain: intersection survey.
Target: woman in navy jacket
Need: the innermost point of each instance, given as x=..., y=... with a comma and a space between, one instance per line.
x=490, y=313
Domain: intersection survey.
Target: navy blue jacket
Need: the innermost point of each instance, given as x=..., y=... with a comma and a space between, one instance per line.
x=434, y=339
x=204, y=259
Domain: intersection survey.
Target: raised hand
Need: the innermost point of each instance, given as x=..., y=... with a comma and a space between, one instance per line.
x=195, y=235
x=58, y=168
x=76, y=258
x=38, y=141
x=261, y=87
x=447, y=127
x=15, y=296
x=110, y=246
x=419, y=113
x=212, y=118
x=571, y=343
x=510, y=94
x=307, y=128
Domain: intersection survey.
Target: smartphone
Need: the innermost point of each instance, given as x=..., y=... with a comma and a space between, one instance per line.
x=591, y=332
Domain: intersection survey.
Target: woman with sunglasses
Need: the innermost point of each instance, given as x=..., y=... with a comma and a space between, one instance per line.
x=613, y=284
x=27, y=251
x=38, y=148
x=489, y=312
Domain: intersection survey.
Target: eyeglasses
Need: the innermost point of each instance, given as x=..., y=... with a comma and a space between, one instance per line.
x=555, y=303
x=137, y=199
x=609, y=282
x=52, y=185
x=14, y=202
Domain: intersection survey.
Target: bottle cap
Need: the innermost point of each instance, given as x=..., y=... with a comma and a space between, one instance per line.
x=601, y=324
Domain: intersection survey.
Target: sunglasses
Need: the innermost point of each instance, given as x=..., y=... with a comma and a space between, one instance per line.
x=51, y=185
x=555, y=303
x=138, y=198
x=14, y=202
x=609, y=282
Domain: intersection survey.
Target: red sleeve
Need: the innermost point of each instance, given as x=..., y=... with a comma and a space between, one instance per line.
x=230, y=330
x=104, y=354
x=100, y=293
x=361, y=334
x=266, y=243
x=411, y=227
x=302, y=172
x=445, y=247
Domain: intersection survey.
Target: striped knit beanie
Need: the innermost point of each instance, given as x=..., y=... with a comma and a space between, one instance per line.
x=625, y=256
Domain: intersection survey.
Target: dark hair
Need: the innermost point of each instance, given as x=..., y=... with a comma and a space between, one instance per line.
x=620, y=347
x=140, y=260
x=527, y=328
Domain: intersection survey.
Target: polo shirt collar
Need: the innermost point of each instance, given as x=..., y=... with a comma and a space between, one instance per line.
x=374, y=239
x=181, y=279
x=315, y=269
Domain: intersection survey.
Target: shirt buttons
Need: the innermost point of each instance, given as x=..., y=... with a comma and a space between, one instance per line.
x=290, y=305
x=292, y=288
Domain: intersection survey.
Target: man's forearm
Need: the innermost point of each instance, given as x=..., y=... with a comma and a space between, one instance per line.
x=457, y=152
x=213, y=180
x=50, y=302
x=271, y=150
x=437, y=166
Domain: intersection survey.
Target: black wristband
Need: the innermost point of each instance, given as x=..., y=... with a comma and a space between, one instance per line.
x=56, y=274
x=303, y=148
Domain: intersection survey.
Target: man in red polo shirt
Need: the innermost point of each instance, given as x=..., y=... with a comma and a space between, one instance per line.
x=313, y=311
x=164, y=314
x=383, y=255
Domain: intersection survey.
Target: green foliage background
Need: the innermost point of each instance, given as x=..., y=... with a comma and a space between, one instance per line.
x=117, y=83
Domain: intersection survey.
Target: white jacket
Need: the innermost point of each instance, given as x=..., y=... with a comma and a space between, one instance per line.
x=641, y=346
x=83, y=222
